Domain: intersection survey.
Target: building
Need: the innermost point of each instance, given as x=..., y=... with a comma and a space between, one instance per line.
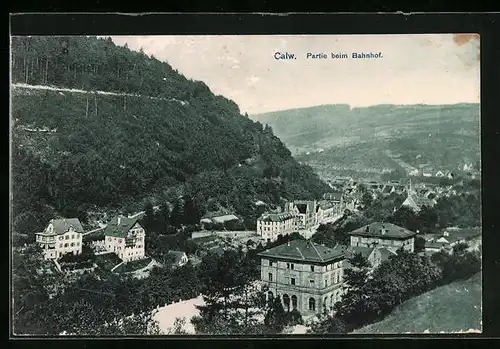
x=383, y=234
x=270, y=225
x=326, y=211
x=452, y=237
x=304, y=212
x=305, y=275
x=178, y=258
x=417, y=202
x=374, y=255
x=125, y=237
x=61, y=236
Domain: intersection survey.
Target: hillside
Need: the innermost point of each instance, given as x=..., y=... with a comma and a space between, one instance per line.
x=384, y=139
x=451, y=308
x=96, y=126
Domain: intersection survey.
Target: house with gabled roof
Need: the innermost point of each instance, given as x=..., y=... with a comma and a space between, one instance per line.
x=305, y=212
x=388, y=235
x=305, y=275
x=387, y=189
x=178, y=258
x=416, y=201
x=125, y=237
x=374, y=255
x=61, y=236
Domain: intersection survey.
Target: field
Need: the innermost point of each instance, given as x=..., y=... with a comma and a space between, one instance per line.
x=451, y=308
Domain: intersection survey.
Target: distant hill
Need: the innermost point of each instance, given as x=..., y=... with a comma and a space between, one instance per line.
x=369, y=141
x=451, y=308
x=97, y=126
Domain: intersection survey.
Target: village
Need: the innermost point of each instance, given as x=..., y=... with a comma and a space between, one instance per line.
x=307, y=276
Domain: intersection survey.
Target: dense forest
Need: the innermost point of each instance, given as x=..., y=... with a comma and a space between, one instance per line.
x=158, y=137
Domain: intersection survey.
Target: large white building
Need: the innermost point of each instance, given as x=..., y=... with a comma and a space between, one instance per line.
x=125, y=237
x=61, y=236
x=305, y=275
x=270, y=225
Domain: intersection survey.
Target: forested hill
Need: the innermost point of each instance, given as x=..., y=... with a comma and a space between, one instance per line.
x=330, y=125
x=157, y=137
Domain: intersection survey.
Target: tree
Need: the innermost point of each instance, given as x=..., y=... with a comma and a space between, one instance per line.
x=192, y=213
x=149, y=217
x=178, y=328
x=219, y=278
x=177, y=215
x=163, y=218
x=275, y=318
x=328, y=324
x=419, y=244
x=351, y=308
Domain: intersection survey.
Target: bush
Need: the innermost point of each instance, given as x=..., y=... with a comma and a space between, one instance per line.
x=293, y=318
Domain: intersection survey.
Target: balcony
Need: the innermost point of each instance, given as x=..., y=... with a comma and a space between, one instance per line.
x=300, y=288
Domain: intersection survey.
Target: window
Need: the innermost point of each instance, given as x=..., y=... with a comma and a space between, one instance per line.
x=292, y=281
x=326, y=282
x=312, y=304
x=66, y=245
x=72, y=236
x=78, y=244
x=312, y=267
x=72, y=244
x=270, y=263
x=270, y=275
x=335, y=278
x=311, y=282
x=270, y=296
x=286, y=302
x=294, y=302
x=288, y=265
x=66, y=237
x=291, y=266
x=61, y=237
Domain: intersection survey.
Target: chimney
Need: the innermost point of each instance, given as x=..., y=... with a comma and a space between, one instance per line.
x=119, y=219
x=367, y=228
x=288, y=243
x=383, y=230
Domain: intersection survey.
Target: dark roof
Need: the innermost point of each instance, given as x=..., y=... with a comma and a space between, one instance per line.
x=276, y=217
x=387, y=189
x=420, y=201
x=302, y=208
x=336, y=196
x=325, y=204
x=61, y=226
x=177, y=255
x=304, y=250
x=305, y=206
x=120, y=230
x=365, y=251
x=434, y=244
x=383, y=230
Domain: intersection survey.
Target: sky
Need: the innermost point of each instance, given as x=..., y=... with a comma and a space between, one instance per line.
x=414, y=69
